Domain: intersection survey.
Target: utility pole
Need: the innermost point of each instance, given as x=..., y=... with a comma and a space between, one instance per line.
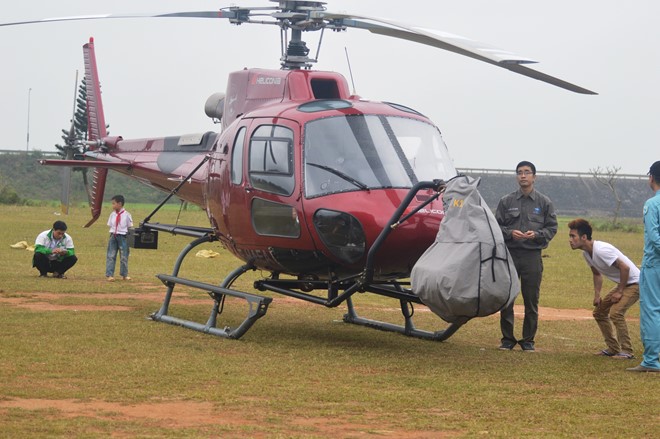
x=27, y=145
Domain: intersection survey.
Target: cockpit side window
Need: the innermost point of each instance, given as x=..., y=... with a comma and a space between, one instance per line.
x=271, y=159
x=237, y=157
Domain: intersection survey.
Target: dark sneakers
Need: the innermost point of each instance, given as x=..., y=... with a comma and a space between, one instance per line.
x=507, y=346
x=527, y=346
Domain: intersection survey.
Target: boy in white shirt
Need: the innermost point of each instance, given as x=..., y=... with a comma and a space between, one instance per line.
x=119, y=222
x=605, y=259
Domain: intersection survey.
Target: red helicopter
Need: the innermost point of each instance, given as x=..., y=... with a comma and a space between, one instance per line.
x=329, y=194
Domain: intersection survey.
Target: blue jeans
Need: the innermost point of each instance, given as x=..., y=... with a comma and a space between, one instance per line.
x=117, y=243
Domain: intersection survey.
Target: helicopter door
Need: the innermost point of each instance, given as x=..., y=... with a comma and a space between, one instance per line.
x=226, y=193
x=272, y=192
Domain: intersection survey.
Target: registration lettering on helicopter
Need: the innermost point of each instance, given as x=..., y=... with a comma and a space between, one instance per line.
x=433, y=211
x=266, y=80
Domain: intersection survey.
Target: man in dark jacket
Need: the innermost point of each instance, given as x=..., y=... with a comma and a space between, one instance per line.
x=528, y=222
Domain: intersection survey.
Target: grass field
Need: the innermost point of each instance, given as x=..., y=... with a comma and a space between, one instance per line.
x=80, y=358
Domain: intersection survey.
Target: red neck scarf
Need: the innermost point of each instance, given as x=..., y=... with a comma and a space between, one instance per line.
x=117, y=219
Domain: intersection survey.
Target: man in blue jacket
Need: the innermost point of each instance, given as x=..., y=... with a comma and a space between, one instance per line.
x=649, y=280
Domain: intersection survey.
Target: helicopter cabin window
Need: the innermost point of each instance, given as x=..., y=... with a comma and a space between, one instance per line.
x=275, y=219
x=325, y=88
x=323, y=105
x=271, y=159
x=237, y=157
x=365, y=152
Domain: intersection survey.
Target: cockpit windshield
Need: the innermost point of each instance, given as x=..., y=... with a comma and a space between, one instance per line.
x=361, y=152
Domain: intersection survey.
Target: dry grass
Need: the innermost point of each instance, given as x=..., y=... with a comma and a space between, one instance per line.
x=88, y=371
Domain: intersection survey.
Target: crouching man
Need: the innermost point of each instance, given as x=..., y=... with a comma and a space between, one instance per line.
x=54, y=252
x=605, y=259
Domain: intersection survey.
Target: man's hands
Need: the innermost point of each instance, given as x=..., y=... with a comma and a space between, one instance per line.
x=614, y=298
x=518, y=235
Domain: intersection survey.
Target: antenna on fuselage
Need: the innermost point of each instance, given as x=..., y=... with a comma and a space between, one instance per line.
x=350, y=71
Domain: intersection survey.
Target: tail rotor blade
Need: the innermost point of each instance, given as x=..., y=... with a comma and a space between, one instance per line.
x=65, y=197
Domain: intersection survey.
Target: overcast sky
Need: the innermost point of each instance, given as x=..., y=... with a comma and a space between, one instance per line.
x=157, y=73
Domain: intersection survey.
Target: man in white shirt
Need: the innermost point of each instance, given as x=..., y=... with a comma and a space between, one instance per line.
x=54, y=251
x=605, y=259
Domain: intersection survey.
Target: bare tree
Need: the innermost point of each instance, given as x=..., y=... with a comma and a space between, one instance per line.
x=607, y=177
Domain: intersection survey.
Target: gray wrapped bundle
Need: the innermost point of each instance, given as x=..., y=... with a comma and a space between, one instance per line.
x=468, y=271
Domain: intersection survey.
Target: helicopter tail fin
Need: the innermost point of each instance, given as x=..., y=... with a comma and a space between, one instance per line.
x=96, y=129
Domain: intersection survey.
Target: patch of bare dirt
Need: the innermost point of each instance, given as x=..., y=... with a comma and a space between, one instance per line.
x=171, y=414
x=22, y=302
x=185, y=414
x=545, y=313
x=42, y=302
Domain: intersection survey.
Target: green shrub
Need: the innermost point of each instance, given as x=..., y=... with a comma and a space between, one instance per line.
x=9, y=196
x=619, y=226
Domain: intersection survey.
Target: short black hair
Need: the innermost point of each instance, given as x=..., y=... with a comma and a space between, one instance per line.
x=119, y=199
x=655, y=170
x=526, y=163
x=582, y=226
x=59, y=225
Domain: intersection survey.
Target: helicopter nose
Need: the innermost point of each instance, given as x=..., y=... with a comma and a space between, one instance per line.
x=341, y=233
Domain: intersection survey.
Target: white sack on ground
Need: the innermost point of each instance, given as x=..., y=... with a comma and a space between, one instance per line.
x=468, y=271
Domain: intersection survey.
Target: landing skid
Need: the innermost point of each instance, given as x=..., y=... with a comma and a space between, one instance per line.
x=299, y=289
x=337, y=291
x=391, y=289
x=409, y=328
x=258, y=305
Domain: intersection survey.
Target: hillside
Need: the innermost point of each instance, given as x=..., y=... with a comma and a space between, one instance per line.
x=33, y=181
x=572, y=196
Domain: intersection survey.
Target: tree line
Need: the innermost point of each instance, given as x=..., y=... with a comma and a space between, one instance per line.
x=24, y=181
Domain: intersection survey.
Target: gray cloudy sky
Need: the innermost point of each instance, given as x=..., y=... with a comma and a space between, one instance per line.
x=157, y=73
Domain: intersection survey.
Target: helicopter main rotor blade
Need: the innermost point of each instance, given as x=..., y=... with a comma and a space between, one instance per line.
x=306, y=19
x=198, y=14
x=453, y=43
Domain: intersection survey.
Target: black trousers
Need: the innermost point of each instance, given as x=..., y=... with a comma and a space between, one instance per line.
x=41, y=262
x=529, y=266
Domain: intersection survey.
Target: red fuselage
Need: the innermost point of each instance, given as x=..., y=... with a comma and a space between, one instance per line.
x=304, y=177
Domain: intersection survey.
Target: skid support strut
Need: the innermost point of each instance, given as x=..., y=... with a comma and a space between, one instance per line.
x=409, y=329
x=258, y=305
x=365, y=282
x=406, y=298
x=394, y=290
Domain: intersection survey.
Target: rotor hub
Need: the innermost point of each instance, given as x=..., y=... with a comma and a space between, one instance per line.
x=297, y=48
x=300, y=5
